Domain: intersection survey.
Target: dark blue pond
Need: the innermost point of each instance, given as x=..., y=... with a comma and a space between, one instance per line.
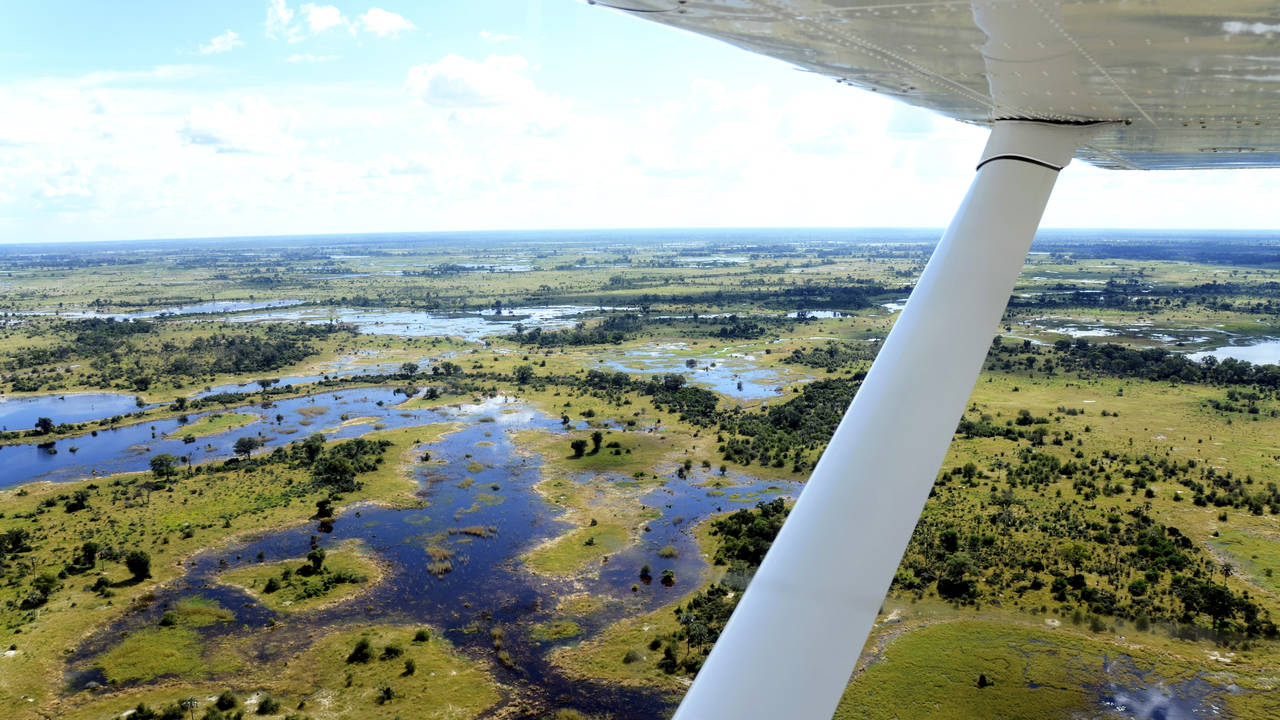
x=487, y=585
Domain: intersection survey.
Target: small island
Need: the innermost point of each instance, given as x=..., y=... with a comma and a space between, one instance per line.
x=318, y=579
x=214, y=423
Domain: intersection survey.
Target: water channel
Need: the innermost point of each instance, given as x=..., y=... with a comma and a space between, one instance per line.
x=488, y=585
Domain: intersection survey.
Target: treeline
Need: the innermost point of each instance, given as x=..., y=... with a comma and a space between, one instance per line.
x=128, y=355
x=1132, y=296
x=832, y=356
x=1113, y=360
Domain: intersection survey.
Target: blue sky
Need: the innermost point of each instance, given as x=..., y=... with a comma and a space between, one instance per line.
x=162, y=119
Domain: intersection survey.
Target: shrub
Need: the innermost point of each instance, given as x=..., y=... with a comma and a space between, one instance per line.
x=362, y=653
x=392, y=652
x=268, y=705
x=139, y=564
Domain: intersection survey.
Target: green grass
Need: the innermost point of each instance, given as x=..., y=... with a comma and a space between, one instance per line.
x=571, y=553
x=153, y=652
x=1255, y=552
x=932, y=672
x=444, y=685
x=302, y=592
x=555, y=630
x=213, y=424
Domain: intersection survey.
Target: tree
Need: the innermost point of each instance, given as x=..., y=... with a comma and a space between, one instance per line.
x=596, y=438
x=139, y=564
x=954, y=582
x=1074, y=555
x=162, y=465
x=316, y=558
x=44, y=425
x=89, y=554
x=246, y=445
x=312, y=447
x=335, y=472
x=409, y=369
x=524, y=373
x=579, y=447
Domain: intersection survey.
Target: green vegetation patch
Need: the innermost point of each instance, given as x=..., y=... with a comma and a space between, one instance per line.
x=214, y=424
x=555, y=630
x=973, y=669
x=426, y=679
x=577, y=550
x=152, y=653
x=322, y=578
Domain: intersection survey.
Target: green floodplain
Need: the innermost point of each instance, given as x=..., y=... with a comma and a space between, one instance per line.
x=1103, y=539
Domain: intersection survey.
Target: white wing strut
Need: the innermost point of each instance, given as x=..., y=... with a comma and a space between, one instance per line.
x=790, y=646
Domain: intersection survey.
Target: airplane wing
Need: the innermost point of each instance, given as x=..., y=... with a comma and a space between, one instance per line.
x=1197, y=84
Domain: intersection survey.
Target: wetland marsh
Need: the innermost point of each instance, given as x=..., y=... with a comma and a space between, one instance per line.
x=532, y=469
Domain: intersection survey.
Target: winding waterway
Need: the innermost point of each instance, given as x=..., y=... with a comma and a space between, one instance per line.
x=489, y=584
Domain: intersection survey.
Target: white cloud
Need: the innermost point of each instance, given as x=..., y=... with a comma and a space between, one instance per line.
x=322, y=17
x=252, y=126
x=222, y=43
x=308, y=57
x=160, y=73
x=497, y=37
x=455, y=81
x=279, y=19
x=383, y=22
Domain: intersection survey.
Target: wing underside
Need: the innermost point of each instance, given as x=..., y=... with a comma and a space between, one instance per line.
x=1194, y=84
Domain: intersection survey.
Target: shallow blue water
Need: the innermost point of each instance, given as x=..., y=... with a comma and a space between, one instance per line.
x=21, y=413
x=488, y=585
x=1265, y=352
x=129, y=448
x=212, y=307
x=721, y=372
x=415, y=323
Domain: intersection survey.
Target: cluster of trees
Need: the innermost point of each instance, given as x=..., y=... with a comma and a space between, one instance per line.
x=794, y=432
x=311, y=579
x=745, y=536
x=1008, y=545
x=279, y=346
x=833, y=356
x=85, y=338
x=612, y=330
x=226, y=706
x=126, y=354
x=1157, y=364
x=669, y=392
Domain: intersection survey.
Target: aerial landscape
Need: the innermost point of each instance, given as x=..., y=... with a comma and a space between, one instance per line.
x=639, y=360
x=528, y=474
